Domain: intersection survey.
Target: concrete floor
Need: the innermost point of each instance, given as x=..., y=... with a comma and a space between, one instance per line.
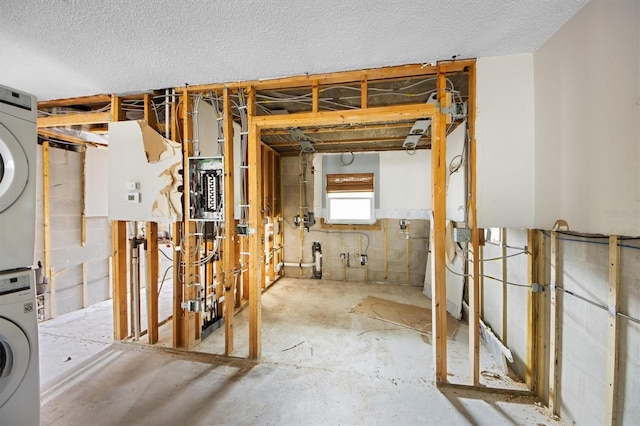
x=321, y=365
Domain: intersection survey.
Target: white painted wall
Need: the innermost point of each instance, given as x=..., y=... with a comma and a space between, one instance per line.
x=587, y=121
x=505, y=141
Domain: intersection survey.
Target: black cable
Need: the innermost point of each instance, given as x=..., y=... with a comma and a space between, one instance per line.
x=164, y=277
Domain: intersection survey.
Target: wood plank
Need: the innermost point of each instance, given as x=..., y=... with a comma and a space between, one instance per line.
x=554, y=324
x=613, y=334
x=438, y=197
x=74, y=119
x=149, y=112
x=119, y=255
x=116, y=113
x=228, y=257
x=475, y=293
x=531, y=312
x=255, y=239
x=179, y=340
x=46, y=133
x=354, y=116
x=541, y=317
x=67, y=102
x=152, y=281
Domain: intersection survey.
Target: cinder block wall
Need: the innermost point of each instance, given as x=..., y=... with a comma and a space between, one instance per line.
x=582, y=364
x=353, y=242
x=67, y=252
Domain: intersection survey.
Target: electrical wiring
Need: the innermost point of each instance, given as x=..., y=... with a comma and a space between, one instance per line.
x=164, y=277
x=344, y=163
x=487, y=276
x=589, y=241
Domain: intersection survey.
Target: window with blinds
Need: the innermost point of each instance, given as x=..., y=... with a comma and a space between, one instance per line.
x=350, y=199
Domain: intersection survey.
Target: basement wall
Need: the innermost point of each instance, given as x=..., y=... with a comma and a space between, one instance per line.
x=583, y=328
x=67, y=252
x=297, y=244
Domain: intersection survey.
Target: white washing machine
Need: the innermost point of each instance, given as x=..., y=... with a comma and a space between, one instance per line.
x=19, y=368
x=18, y=141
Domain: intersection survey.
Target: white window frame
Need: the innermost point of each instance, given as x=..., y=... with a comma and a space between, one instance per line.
x=338, y=201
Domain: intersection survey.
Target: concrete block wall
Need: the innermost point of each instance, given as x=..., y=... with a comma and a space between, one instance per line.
x=67, y=252
x=582, y=363
x=335, y=242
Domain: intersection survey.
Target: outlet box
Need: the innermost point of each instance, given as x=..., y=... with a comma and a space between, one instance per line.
x=462, y=235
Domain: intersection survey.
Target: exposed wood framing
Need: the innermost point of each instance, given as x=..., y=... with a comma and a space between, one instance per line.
x=46, y=213
x=474, y=283
x=256, y=270
x=505, y=286
x=151, y=229
x=119, y=256
x=315, y=96
x=554, y=323
x=364, y=93
x=149, y=114
x=179, y=340
x=189, y=321
x=228, y=255
x=613, y=334
x=66, y=102
x=535, y=373
x=438, y=203
x=74, y=119
x=541, y=311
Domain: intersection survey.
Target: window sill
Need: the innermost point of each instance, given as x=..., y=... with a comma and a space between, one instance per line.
x=344, y=227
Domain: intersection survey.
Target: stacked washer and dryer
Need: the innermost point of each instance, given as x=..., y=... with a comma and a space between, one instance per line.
x=19, y=369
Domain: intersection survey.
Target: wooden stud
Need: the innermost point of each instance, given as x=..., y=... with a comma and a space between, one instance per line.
x=255, y=239
x=85, y=289
x=535, y=374
x=439, y=177
x=84, y=100
x=315, y=93
x=613, y=334
x=152, y=281
x=531, y=311
x=46, y=214
x=119, y=255
x=554, y=323
x=228, y=256
x=149, y=113
x=179, y=339
x=364, y=93
x=505, y=286
x=541, y=317
x=190, y=319
x=384, y=248
x=475, y=293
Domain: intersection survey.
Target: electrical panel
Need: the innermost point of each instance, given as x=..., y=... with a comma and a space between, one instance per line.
x=206, y=180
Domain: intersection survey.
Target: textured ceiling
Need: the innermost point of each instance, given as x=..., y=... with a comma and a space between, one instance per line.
x=65, y=48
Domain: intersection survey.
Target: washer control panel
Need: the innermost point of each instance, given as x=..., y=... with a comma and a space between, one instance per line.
x=15, y=282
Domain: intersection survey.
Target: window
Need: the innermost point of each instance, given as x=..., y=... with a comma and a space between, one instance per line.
x=350, y=199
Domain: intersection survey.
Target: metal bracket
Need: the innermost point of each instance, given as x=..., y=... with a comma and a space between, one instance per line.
x=537, y=288
x=612, y=311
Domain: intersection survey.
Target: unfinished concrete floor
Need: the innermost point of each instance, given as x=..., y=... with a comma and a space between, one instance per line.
x=321, y=365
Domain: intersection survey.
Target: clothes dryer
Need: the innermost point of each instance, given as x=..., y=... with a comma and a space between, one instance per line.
x=19, y=369
x=18, y=141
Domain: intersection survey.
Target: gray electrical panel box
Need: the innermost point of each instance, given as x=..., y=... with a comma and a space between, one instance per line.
x=206, y=188
x=462, y=235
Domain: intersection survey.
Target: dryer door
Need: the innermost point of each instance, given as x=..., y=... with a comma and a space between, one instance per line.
x=14, y=358
x=13, y=169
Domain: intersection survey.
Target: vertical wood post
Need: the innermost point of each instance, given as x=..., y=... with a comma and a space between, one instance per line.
x=46, y=221
x=255, y=238
x=152, y=281
x=228, y=256
x=120, y=313
x=438, y=178
x=505, y=286
x=554, y=323
x=613, y=332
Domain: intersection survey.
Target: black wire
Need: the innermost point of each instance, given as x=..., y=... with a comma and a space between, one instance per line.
x=164, y=277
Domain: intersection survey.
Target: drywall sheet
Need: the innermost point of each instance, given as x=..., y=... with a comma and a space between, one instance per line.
x=96, y=182
x=505, y=142
x=144, y=174
x=415, y=317
x=587, y=156
x=456, y=174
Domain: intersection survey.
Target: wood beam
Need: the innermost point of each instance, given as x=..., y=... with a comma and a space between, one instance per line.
x=73, y=119
x=354, y=116
x=116, y=113
x=119, y=256
x=535, y=373
x=438, y=197
x=315, y=96
x=613, y=334
x=67, y=102
x=149, y=113
x=255, y=239
x=228, y=257
x=364, y=93
x=152, y=281
x=505, y=286
x=179, y=339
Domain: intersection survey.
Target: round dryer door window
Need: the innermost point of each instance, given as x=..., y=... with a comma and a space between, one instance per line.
x=14, y=358
x=14, y=169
